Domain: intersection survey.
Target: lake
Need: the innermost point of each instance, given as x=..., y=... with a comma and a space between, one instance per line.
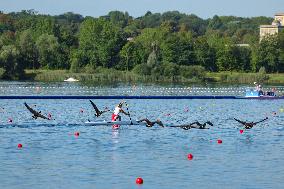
x=100, y=157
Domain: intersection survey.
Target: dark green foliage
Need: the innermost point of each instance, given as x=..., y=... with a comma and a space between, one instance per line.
x=267, y=54
x=6, y=23
x=28, y=50
x=205, y=54
x=118, y=18
x=48, y=51
x=281, y=51
x=178, y=49
x=101, y=42
x=9, y=63
x=215, y=23
x=131, y=54
x=171, y=45
x=192, y=72
x=142, y=69
x=69, y=17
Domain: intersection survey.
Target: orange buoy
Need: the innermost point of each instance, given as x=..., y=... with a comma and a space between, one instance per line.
x=139, y=180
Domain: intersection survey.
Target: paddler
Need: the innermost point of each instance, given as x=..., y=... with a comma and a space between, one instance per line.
x=115, y=115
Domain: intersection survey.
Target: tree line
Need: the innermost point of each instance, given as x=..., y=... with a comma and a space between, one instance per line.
x=169, y=44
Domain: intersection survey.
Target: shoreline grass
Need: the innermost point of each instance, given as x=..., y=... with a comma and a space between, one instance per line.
x=112, y=76
x=105, y=76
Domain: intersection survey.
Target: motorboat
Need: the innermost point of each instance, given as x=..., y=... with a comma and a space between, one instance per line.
x=71, y=79
x=260, y=94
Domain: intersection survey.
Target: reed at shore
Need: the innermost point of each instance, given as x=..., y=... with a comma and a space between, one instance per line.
x=111, y=75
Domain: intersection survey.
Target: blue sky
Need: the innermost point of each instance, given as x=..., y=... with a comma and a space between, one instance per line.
x=95, y=8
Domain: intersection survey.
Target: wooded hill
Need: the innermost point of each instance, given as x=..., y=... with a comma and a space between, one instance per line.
x=169, y=44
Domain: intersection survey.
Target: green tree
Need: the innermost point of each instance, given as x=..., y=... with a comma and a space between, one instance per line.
x=243, y=55
x=205, y=54
x=9, y=62
x=192, y=72
x=28, y=50
x=7, y=38
x=131, y=54
x=48, y=52
x=266, y=55
x=281, y=52
x=101, y=41
x=170, y=70
x=118, y=18
x=226, y=59
x=215, y=23
x=6, y=23
x=178, y=48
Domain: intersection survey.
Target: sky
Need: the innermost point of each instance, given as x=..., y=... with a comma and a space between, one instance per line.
x=95, y=8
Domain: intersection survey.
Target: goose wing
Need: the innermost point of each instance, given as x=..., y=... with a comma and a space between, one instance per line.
x=242, y=122
x=30, y=109
x=95, y=108
x=261, y=120
x=35, y=112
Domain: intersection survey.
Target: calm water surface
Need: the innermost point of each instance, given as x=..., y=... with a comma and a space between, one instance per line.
x=52, y=157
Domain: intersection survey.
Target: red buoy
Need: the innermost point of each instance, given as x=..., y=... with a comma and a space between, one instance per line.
x=115, y=126
x=219, y=141
x=76, y=134
x=189, y=156
x=139, y=180
x=241, y=131
x=20, y=145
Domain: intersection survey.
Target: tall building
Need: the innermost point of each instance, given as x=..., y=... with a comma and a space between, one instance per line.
x=276, y=26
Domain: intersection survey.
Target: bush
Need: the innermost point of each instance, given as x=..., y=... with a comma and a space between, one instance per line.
x=170, y=69
x=75, y=66
x=142, y=69
x=261, y=76
x=191, y=72
x=2, y=72
x=89, y=69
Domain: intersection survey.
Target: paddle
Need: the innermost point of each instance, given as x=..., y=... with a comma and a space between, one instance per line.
x=128, y=113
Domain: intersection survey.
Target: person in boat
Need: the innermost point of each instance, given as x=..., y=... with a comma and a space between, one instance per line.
x=249, y=125
x=195, y=125
x=98, y=112
x=258, y=88
x=117, y=110
x=36, y=114
x=151, y=123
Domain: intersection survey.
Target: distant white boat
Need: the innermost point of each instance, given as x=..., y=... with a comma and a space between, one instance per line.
x=71, y=79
